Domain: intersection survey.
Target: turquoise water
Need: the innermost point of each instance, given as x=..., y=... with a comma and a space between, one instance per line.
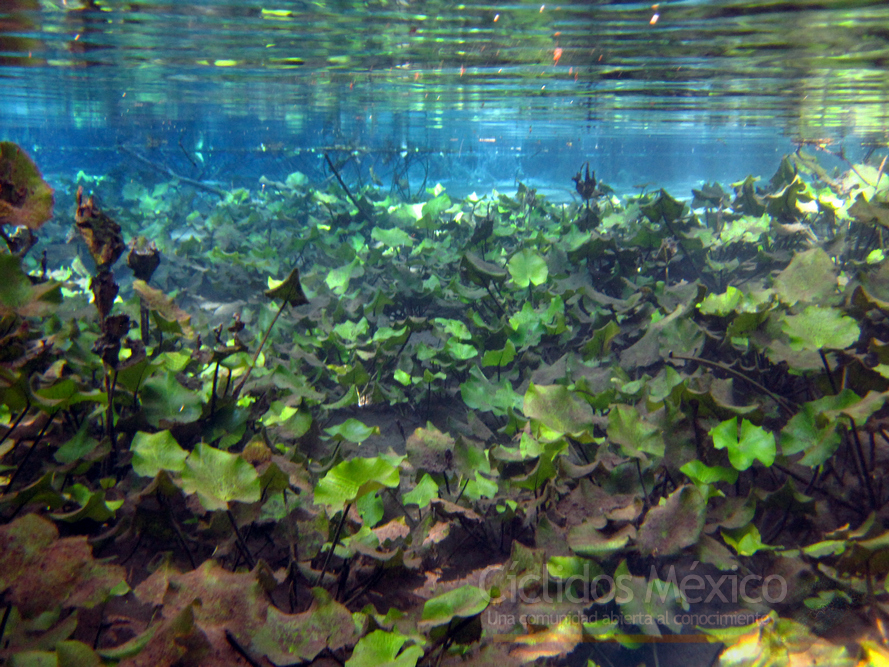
x=672, y=93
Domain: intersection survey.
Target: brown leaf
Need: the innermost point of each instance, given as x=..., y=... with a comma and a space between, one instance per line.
x=41, y=572
x=26, y=199
x=101, y=233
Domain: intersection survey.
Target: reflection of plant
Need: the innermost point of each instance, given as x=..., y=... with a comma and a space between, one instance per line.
x=591, y=414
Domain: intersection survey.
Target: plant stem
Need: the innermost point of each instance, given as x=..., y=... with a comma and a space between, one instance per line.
x=110, y=385
x=28, y=454
x=336, y=538
x=782, y=402
x=143, y=320
x=3, y=622
x=364, y=214
x=861, y=464
x=268, y=331
x=18, y=420
x=213, y=392
x=241, y=543
x=833, y=385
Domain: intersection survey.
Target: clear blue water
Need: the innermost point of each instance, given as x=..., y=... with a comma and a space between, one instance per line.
x=229, y=90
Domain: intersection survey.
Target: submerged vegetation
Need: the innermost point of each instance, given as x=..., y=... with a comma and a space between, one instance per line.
x=337, y=425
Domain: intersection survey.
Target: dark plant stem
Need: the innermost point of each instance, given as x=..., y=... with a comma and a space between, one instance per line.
x=685, y=252
x=18, y=420
x=494, y=298
x=336, y=538
x=110, y=385
x=364, y=214
x=268, y=331
x=4, y=621
x=241, y=543
x=162, y=501
x=31, y=449
x=861, y=464
x=213, y=392
x=782, y=402
x=833, y=386
x=839, y=501
x=642, y=483
x=143, y=320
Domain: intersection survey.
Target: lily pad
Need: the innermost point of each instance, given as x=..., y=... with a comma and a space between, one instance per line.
x=463, y=602
x=165, y=400
x=155, y=452
x=40, y=572
x=810, y=277
x=818, y=328
x=527, y=267
x=558, y=408
x=352, y=430
x=746, y=444
x=219, y=478
x=673, y=525
x=349, y=480
x=383, y=649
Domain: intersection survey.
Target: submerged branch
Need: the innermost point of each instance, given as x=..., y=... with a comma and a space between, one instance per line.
x=172, y=174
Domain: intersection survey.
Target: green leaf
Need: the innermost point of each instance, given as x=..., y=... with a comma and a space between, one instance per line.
x=499, y=357
x=636, y=436
x=564, y=567
x=352, y=331
x=745, y=541
x=664, y=207
x=463, y=602
x=73, y=653
x=557, y=408
x=381, y=649
x=527, y=267
x=423, y=493
x=92, y=505
x=155, y=452
x=349, y=480
x=751, y=443
x=810, y=277
x=338, y=279
x=479, y=393
x=704, y=474
x=804, y=433
x=392, y=237
x=600, y=343
x=219, y=478
x=19, y=296
x=352, y=430
x=79, y=446
x=818, y=328
x=721, y=304
x=370, y=509
x=286, y=639
x=164, y=399
x=459, y=351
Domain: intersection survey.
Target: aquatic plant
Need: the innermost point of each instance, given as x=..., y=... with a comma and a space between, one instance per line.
x=472, y=414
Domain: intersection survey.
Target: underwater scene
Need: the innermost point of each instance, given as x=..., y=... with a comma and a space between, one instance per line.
x=420, y=333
